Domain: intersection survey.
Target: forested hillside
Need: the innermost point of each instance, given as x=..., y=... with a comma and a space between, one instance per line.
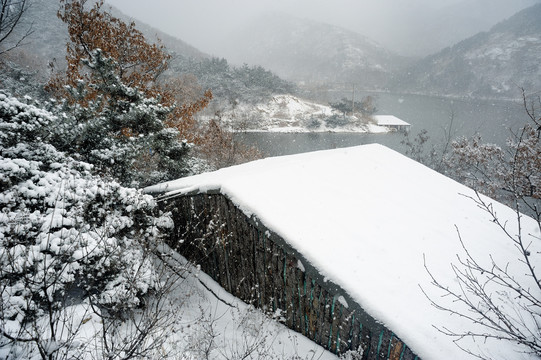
x=43, y=53
x=305, y=50
x=493, y=64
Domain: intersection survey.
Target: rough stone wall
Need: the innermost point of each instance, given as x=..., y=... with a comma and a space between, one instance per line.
x=258, y=267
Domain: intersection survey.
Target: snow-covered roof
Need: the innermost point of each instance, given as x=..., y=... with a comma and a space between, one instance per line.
x=342, y=210
x=389, y=120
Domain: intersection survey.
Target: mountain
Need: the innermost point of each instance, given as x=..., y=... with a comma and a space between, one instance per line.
x=306, y=50
x=418, y=29
x=45, y=50
x=47, y=43
x=173, y=44
x=490, y=64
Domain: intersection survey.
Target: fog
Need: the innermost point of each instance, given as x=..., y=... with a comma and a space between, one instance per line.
x=398, y=25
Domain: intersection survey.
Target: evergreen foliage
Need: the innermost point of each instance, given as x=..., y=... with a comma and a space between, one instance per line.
x=231, y=84
x=67, y=236
x=366, y=106
x=122, y=131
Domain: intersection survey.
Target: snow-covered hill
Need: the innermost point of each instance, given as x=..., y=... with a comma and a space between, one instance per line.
x=491, y=64
x=306, y=50
x=287, y=113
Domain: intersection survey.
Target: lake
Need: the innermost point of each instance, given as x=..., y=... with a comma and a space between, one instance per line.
x=492, y=119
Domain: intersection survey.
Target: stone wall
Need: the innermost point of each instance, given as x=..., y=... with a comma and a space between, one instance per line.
x=259, y=267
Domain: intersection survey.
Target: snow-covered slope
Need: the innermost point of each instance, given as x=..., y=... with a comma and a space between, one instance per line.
x=491, y=64
x=200, y=321
x=369, y=218
x=301, y=49
x=287, y=113
x=421, y=30
x=213, y=324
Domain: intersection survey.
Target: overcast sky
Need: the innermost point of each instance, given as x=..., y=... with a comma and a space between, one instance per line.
x=202, y=23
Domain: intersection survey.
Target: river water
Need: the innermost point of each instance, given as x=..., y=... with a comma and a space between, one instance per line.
x=492, y=119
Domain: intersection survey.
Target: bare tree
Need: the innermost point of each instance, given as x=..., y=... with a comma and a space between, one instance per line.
x=502, y=300
x=11, y=13
x=509, y=174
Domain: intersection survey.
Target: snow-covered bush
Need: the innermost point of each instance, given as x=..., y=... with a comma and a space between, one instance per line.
x=336, y=121
x=67, y=236
x=313, y=123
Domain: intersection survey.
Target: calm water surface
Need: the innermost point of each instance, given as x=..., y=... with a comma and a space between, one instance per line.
x=493, y=120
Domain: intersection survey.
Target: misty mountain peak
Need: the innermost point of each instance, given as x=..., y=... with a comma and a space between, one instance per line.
x=496, y=63
x=309, y=50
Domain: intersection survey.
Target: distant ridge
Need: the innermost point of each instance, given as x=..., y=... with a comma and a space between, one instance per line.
x=47, y=44
x=493, y=64
x=306, y=50
x=173, y=44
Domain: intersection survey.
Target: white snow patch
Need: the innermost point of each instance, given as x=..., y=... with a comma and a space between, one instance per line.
x=211, y=318
x=288, y=113
x=342, y=300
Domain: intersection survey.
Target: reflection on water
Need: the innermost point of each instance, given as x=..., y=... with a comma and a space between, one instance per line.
x=492, y=119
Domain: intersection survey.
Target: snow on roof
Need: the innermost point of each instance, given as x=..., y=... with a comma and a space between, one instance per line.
x=342, y=209
x=389, y=120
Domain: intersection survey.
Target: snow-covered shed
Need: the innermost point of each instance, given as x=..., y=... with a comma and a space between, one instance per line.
x=392, y=122
x=326, y=241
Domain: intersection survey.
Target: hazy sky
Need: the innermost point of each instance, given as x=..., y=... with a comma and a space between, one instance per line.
x=203, y=23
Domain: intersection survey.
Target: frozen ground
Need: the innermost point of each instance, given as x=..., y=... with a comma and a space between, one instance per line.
x=215, y=325
x=204, y=322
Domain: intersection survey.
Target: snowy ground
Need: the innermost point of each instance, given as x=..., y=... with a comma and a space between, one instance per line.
x=287, y=113
x=213, y=324
x=206, y=322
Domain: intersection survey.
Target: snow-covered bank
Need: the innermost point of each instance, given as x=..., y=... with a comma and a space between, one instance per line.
x=213, y=324
x=287, y=113
x=370, y=219
x=200, y=321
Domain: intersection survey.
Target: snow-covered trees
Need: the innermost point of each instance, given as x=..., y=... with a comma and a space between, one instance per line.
x=68, y=238
x=139, y=63
x=511, y=174
x=121, y=115
x=121, y=131
x=229, y=84
x=79, y=271
x=366, y=106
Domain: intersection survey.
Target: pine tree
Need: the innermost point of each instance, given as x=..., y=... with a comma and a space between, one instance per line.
x=67, y=238
x=122, y=131
x=140, y=64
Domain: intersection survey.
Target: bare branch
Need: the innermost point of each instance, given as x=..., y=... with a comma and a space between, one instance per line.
x=11, y=13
